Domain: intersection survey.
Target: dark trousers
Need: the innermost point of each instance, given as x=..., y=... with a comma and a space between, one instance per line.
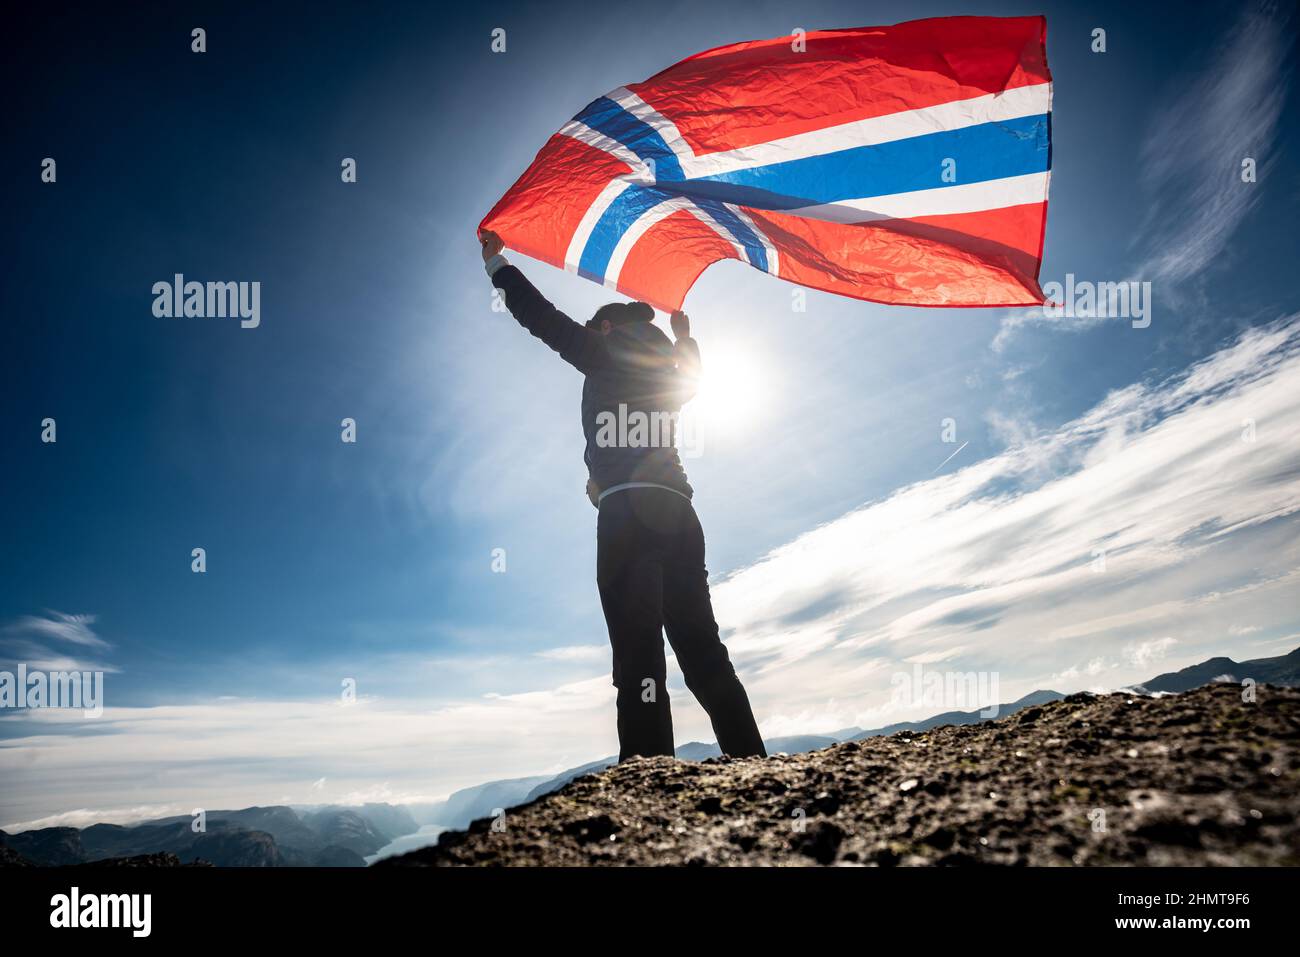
x=650, y=569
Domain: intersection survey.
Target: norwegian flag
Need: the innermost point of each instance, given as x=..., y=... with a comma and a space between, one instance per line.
x=906, y=164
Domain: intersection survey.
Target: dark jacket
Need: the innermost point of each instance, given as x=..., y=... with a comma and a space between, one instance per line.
x=636, y=382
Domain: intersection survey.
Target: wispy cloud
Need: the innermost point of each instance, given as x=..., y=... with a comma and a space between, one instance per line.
x=1191, y=165
x=1192, y=156
x=30, y=638
x=72, y=629
x=1166, y=512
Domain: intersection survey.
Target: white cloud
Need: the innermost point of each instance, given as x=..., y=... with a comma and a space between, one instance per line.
x=28, y=640
x=70, y=629
x=576, y=653
x=1144, y=653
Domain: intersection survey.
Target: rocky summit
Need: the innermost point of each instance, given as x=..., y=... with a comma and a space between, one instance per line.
x=1196, y=778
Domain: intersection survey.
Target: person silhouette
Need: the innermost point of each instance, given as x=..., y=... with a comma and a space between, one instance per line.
x=650, y=567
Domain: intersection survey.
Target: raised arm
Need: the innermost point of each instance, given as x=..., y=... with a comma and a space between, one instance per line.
x=686, y=353
x=576, y=344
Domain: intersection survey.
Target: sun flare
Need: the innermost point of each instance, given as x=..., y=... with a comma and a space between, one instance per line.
x=730, y=395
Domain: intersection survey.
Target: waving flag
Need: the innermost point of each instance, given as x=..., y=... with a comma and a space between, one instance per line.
x=905, y=164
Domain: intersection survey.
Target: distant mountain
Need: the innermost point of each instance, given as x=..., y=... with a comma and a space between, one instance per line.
x=335, y=856
x=176, y=833
x=145, y=860
x=697, y=751
x=427, y=834
x=9, y=857
x=391, y=819
x=340, y=827
x=100, y=841
x=844, y=734
x=237, y=848
x=50, y=846
x=1283, y=670
x=961, y=717
x=276, y=836
x=224, y=845
x=564, y=777
x=472, y=803
x=798, y=743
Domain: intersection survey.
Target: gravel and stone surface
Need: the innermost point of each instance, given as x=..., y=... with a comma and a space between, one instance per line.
x=1199, y=778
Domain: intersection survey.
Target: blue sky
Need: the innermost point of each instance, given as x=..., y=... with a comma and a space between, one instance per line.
x=841, y=551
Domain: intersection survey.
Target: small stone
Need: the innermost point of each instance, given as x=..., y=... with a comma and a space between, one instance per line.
x=908, y=784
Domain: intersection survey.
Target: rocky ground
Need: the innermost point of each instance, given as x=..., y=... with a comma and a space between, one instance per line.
x=1196, y=778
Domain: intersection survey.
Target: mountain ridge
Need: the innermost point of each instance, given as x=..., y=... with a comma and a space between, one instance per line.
x=258, y=836
x=1282, y=670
